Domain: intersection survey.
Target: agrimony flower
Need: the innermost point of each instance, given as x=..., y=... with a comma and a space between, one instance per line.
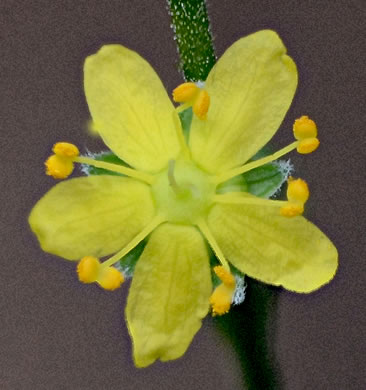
x=169, y=192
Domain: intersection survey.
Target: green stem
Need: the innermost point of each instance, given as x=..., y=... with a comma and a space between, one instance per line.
x=193, y=36
x=250, y=329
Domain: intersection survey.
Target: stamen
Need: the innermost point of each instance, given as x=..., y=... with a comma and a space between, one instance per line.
x=308, y=145
x=205, y=230
x=255, y=164
x=238, y=198
x=179, y=131
x=297, y=190
x=221, y=298
x=87, y=269
x=90, y=270
x=145, y=177
x=143, y=234
x=304, y=127
x=190, y=94
x=185, y=92
x=59, y=167
x=297, y=195
x=306, y=132
x=225, y=276
x=292, y=209
x=65, y=149
x=110, y=278
x=201, y=105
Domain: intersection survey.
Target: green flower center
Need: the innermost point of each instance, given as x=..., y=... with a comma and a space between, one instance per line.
x=183, y=192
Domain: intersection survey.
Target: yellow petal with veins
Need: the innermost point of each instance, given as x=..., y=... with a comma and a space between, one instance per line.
x=251, y=88
x=169, y=294
x=93, y=216
x=130, y=108
x=261, y=243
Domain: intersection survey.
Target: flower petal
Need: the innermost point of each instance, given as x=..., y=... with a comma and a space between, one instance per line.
x=251, y=88
x=130, y=108
x=169, y=294
x=94, y=216
x=291, y=252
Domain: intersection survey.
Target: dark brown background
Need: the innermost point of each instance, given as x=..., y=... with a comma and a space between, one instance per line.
x=58, y=334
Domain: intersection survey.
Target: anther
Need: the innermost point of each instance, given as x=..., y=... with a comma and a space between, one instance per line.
x=224, y=275
x=297, y=195
x=304, y=127
x=87, y=269
x=185, y=92
x=222, y=296
x=65, y=149
x=308, y=145
x=201, y=105
x=110, y=278
x=190, y=94
x=59, y=167
x=305, y=131
x=90, y=270
x=292, y=210
x=297, y=190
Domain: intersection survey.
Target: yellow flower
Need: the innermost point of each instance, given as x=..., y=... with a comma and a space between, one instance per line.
x=169, y=193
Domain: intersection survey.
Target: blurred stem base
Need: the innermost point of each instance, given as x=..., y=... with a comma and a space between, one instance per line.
x=250, y=329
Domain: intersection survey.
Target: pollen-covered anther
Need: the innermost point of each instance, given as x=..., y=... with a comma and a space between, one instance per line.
x=222, y=296
x=191, y=94
x=224, y=275
x=88, y=269
x=221, y=299
x=185, y=92
x=110, y=278
x=304, y=127
x=201, y=104
x=308, y=145
x=292, y=209
x=59, y=167
x=297, y=190
x=65, y=149
x=297, y=195
x=306, y=132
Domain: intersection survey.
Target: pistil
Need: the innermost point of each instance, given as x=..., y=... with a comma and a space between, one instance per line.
x=180, y=191
x=171, y=178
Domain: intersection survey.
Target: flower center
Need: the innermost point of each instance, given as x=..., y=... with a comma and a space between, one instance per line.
x=183, y=192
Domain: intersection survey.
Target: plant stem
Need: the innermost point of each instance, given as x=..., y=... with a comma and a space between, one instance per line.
x=191, y=26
